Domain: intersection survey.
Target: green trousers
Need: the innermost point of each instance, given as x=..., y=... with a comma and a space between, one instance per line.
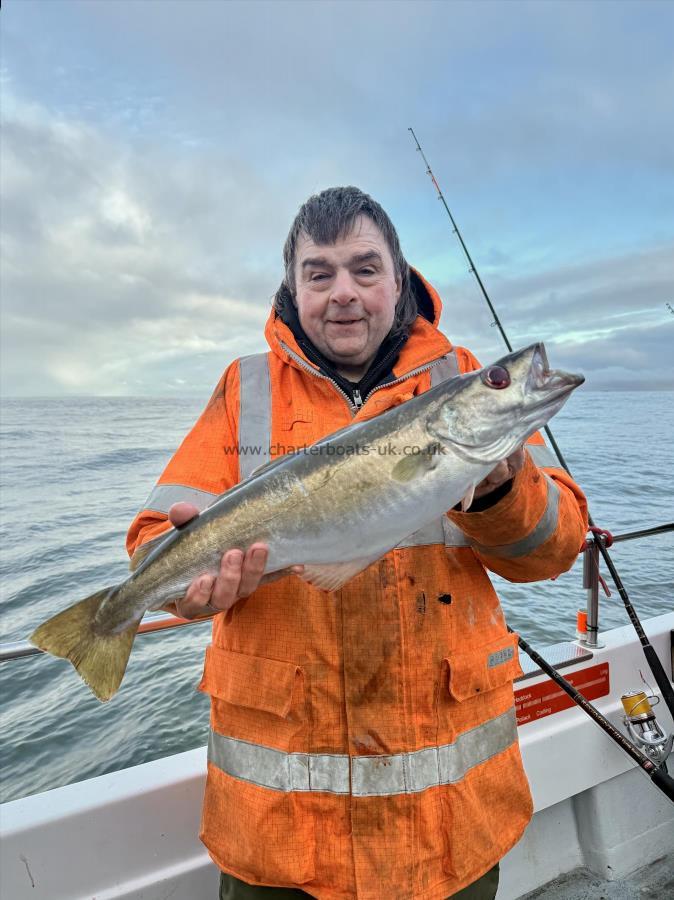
x=232, y=889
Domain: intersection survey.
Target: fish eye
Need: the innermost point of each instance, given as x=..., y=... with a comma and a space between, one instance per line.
x=496, y=377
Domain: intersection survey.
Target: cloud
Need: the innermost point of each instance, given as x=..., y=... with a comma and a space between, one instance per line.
x=113, y=263
x=144, y=211
x=596, y=316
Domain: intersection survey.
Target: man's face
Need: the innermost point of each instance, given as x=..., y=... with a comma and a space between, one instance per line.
x=346, y=295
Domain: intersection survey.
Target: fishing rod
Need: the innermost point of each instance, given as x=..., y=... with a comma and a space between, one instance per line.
x=658, y=774
x=652, y=658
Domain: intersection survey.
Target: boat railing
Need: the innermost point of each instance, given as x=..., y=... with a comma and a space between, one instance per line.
x=157, y=622
x=592, y=577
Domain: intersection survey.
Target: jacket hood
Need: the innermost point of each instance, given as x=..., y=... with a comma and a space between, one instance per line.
x=428, y=299
x=425, y=341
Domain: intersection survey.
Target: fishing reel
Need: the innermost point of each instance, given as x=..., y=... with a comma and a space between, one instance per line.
x=642, y=727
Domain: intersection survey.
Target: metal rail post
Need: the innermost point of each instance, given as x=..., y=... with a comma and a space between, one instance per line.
x=591, y=585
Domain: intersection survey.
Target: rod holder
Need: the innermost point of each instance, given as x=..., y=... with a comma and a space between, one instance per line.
x=591, y=585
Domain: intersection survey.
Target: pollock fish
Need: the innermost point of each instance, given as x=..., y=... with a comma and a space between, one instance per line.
x=335, y=508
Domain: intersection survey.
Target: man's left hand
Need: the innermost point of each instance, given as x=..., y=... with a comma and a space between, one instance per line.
x=502, y=472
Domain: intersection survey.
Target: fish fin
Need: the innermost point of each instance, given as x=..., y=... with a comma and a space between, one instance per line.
x=331, y=576
x=408, y=469
x=467, y=501
x=141, y=554
x=99, y=658
x=411, y=467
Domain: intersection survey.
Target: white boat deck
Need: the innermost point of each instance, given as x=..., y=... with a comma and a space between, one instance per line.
x=651, y=882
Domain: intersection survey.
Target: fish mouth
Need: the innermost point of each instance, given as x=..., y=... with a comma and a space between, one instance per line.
x=552, y=385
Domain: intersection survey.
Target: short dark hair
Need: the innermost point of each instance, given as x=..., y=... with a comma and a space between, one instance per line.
x=332, y=214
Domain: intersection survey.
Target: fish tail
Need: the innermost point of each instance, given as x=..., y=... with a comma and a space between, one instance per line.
x=99, y=658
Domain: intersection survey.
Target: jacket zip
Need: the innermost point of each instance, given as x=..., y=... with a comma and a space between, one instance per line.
x=418, y=371
x=309, y=368
x=358, y=400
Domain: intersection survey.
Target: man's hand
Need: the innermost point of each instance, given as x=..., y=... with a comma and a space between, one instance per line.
x=502, y=472
x=240, y=574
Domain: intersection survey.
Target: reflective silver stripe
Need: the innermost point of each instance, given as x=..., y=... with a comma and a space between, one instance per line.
x=381, y=776
x=543, y=530
x=410, y=773
x=165, y=495
x=255, y=413
x=278, y=770
x=543, y=456
x=441, y=531
x=445, y=369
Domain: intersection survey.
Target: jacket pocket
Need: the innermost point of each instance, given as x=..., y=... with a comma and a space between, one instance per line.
x=256, y=825
x=486, y=809
x=476, y=685
x=256, y=699
x=253, y=682
x=481, y=669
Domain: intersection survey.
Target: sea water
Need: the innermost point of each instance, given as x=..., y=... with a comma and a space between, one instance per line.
x=76, y=470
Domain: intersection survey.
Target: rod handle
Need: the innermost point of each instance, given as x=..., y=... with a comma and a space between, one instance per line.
x=664, y=781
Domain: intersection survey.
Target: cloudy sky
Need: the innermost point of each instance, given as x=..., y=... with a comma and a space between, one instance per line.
x=154, y=154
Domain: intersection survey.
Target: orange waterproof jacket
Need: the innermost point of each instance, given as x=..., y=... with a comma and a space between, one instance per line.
x=363, y=742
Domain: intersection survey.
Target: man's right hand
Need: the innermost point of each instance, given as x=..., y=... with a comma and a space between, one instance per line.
x=240, y=574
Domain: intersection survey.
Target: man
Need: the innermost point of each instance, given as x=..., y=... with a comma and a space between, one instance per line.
x=363, y=742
